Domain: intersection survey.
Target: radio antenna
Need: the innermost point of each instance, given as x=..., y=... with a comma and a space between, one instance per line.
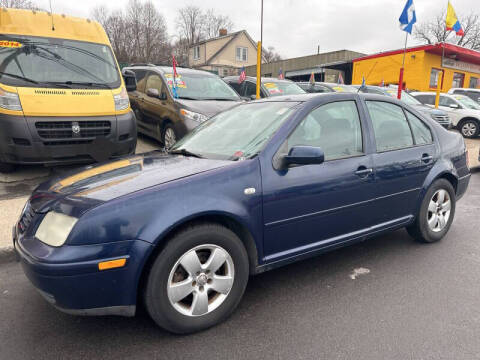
x=51, y=15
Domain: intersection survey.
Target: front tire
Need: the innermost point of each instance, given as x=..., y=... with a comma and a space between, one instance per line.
x=169, y=136
x=436, y=213
x=197, y=280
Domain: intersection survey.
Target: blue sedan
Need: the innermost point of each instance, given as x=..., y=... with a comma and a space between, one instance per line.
x=258, y=186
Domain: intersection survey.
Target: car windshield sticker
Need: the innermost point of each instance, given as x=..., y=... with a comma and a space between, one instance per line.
x=10, y=44
x=178, y=81
x=338, y=89
x=272, y=88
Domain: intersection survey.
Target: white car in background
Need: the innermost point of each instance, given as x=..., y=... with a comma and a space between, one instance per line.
x=463, y=111
x=473, y=94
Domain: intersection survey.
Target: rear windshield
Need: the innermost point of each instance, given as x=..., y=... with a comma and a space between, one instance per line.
x=277, y=88
x=48, y=62
x=201, y=87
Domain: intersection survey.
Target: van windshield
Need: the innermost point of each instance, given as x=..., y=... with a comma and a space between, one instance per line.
x=48, y=62
x=201, y=87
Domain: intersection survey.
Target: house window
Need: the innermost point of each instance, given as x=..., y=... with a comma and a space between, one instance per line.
x=242, y=54
x=196, y=53
x=458, y=80
x=474, y=83
x=434, y=77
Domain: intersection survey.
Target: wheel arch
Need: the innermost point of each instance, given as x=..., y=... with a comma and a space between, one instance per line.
x=466, y=118
x=226, y=220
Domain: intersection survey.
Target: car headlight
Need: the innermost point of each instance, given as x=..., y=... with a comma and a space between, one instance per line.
x=121, y=100
x=193, y=115
x=9, y=100
x=55, y=228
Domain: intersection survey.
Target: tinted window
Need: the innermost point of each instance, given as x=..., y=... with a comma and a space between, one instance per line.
x=421, y=132
x=236, y=86
x=140, y=75
x=390, y=126
x=334, y=127
x=426, y=99
x=250, y=89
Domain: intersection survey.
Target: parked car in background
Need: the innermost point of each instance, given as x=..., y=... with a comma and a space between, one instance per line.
x=473, y=94
x=322, y=87
x=161, y=115
x=463, y=111
x=270, y=87
x=62, y=96
x=438, y=115
x=258, y=186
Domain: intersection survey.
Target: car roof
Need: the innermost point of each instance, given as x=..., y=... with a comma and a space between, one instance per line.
x=254, y=79
x=309, y=96
x=169, y=70
x=464, y=89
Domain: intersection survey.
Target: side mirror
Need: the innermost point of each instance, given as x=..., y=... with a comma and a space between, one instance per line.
x=304, y=155
x=454, y=106
x=153, y=93
x=130, y=80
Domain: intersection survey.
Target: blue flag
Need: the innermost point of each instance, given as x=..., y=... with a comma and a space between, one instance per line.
x=408, y=17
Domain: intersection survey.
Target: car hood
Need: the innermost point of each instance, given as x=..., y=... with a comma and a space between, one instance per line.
x=114, y=179
x=207, y=107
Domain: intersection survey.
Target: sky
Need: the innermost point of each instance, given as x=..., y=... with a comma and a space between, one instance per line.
x=297, y=27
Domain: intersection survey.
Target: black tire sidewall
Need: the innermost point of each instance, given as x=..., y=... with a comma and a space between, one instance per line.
x=168, y=126
x=477, y=124
x=158, y=305
x=428, y=235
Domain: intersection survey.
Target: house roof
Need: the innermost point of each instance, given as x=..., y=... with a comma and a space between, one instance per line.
x=461, y=53
x=233, y=36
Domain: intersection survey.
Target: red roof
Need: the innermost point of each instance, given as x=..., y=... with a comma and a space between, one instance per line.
x=462, y=54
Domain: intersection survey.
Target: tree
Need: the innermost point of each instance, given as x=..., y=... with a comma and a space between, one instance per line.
x=271, y=55
x=435, y=31
x=190, y=24
x=212, y=23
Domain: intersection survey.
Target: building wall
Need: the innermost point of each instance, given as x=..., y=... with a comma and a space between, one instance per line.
x=306, y=62
x=201, y=60
x=214, y=46
x=228, y=56
x=418, y=66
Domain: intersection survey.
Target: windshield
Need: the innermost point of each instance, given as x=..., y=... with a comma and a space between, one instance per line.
x=344, y=88
x=277, y=88
x=406, y=97
x=467, y=102
x=240, y=132
x=201, y=87
x=52, y=62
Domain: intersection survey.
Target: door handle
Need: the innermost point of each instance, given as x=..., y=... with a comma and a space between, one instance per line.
x=362, y=171
x=427, y=158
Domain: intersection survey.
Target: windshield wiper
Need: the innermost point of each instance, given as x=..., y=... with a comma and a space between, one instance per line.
x=219, y=99
x=188, y=98
x=185, y=152
x=27, y=79
x=82, y=83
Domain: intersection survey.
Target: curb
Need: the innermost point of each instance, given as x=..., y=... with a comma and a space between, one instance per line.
x=7, y=255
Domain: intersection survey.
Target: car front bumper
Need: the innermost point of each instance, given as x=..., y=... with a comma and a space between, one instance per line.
x=23, y=142
x=68, y=276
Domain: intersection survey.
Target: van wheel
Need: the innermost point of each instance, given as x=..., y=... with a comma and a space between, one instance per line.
x=169, y=136
x=197, y=280
x=469, y=128
x=6, y=167
x=436, y=213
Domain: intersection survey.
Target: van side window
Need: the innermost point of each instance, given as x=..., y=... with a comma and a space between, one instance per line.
x=334, y=127
x=421, y=132
x=390, y=125
x=154, y=82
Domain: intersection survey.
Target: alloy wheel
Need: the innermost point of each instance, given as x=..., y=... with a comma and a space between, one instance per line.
x=200, y=280
x=438, y=211
x=169, y=138
x=469, y=129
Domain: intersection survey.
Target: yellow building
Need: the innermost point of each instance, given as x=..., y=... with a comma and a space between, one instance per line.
x=423, y=65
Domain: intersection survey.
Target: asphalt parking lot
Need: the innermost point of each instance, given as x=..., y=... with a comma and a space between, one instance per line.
x=386, y=298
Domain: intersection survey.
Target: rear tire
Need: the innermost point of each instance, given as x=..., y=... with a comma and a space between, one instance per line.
x=6, y=167
x=436, y=213
x=181, y=293
x=469, y=128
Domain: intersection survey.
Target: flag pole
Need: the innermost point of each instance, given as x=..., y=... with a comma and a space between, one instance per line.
x=402, y=69
x=259, y=56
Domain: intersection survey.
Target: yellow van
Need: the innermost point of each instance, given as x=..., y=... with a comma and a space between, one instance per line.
x=62, y=95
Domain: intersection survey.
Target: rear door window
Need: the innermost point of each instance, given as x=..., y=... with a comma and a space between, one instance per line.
x=421, y=132
x=390, y=126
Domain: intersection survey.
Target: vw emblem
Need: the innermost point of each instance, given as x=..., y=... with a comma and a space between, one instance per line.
x=75, y=128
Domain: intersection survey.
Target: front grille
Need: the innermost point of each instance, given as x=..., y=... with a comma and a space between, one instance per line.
x=442, y=119
x=26, y=218
x=64, y=130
